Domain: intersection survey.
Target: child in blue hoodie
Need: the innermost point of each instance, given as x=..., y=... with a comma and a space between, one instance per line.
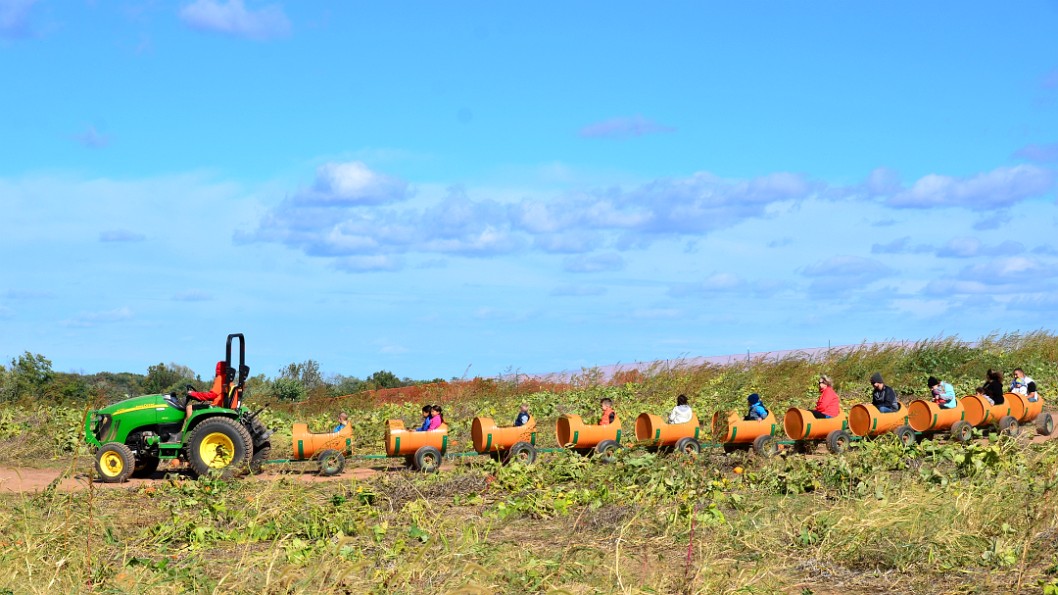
x=757, y=410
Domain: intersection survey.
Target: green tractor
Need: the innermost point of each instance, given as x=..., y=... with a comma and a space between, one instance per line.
x=133, y=436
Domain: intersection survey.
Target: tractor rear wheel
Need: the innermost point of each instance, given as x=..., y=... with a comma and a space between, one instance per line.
x=219, y=445
x=260, y=456
x=145, y=466
x=331, y=461
x=115, y=462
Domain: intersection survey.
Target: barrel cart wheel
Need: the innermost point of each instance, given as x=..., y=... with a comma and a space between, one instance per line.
x=838, y=441
x=962, y=431
x=427, y=459
x=521, y=452
x=765, y=446
x=331, y=462
x=1008, y=426
x=906, y=435
x=607, y=450
x=688, y=446
x=1045, y=425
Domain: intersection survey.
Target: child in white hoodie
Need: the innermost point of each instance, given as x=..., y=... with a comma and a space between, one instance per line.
x=682, y=412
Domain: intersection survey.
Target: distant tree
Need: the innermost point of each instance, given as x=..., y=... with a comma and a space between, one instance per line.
x=164, y=378
x=347, y=385
x=288, y=389
x=29, y=376
x=384, y=379
x=307, y=373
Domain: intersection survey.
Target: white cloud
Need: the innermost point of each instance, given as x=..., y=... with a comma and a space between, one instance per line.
x=596, y=263
x=845, y=273
x=89, y=319
x=900, y=246
x=578, y=290
x=14, y=18
x=624, y=127
x=967, y=247
x=352, y=183
x=998, y=188
x=233, y=18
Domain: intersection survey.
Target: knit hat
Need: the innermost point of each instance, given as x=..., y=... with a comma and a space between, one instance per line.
x=877, y=378
x=753, y=399
x=932, y=382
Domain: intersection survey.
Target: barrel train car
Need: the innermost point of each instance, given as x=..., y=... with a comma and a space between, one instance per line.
x=798, y=428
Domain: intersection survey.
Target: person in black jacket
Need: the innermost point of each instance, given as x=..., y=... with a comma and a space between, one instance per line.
x=993, y=387
x=884, y=397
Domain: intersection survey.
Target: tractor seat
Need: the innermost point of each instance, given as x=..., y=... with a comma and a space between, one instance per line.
x=172, y=401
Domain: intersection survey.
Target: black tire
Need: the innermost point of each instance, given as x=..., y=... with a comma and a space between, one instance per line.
x=331, y=462
x=1008, y=425
x=906, y=435
x=606, y=450
x=427, y=459
x=261, y=455
x=522, y=452
x=688, y=446
x=838, y=441
x=146, y=466
x=962, y=431
x=115, y=462
x=765, y=446
x=1045, y=425
x=219, y=445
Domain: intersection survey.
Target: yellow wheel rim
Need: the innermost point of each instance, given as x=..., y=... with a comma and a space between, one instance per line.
x=111, y=464
x=216, y=450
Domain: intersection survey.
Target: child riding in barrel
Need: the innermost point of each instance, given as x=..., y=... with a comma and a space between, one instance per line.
x=828, y=405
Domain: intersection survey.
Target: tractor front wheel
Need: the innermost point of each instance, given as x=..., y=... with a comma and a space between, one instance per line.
x=219, y=445
x=115, y=462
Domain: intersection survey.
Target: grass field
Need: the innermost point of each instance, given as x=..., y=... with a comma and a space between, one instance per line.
x=935, y=517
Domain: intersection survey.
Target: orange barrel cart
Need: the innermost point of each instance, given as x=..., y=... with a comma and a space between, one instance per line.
x=422, y=451
x=1026, y=411
x=979, y=413
x=733, y=432
x=930, y=418
x=506, y=443
x=866, y=421
x=654, y=432
x=328, y=448
x=573, y=433
x=805, y=430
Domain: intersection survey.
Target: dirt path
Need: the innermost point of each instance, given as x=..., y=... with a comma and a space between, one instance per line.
x=24, y=480
x=27, y=480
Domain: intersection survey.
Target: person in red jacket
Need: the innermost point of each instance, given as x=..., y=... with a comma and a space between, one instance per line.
x=828, y=404
x=212, y=397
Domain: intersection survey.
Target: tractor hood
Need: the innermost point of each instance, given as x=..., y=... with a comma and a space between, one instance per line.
x=144, y=403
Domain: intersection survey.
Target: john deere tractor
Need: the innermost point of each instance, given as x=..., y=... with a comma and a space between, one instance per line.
x=133, y=436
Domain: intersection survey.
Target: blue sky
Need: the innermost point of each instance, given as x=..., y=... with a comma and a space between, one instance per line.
x=473, y=188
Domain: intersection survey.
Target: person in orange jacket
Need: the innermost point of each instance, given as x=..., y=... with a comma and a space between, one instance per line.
x=828, y=405
x=608, y=414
